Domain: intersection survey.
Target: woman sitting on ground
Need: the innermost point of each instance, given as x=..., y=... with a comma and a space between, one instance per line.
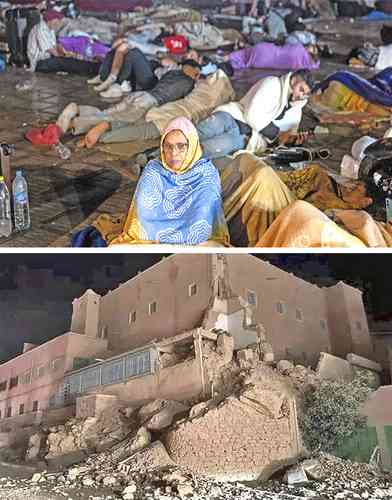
x=178, y=199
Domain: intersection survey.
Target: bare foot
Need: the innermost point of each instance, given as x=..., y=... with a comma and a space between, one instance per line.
x=92, y=137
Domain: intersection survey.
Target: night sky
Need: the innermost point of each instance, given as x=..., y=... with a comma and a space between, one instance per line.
x=36, y=290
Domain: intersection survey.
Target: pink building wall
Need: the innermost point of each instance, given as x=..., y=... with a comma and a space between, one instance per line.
x=64, y=349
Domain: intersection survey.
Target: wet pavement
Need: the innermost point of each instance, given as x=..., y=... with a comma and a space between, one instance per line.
x=69, y=194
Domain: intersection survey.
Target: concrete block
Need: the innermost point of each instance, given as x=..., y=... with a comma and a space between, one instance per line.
x=296, y=475
x=356, y=360
x=333, y=368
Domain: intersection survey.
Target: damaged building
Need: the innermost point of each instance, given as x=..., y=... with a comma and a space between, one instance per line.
x=188, y=330
x=148, y=332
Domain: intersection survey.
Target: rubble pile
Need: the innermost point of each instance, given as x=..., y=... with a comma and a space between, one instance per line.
x=92, y=433
x=330, y=477
x=339, y=479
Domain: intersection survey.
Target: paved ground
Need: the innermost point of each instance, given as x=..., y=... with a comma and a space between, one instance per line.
x=67, y=194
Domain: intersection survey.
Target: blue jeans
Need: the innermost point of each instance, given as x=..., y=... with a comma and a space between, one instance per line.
x=220, y=135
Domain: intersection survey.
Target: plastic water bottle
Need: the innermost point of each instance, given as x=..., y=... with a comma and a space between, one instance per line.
x=63, y=151
x=21, y=202
x=5, y=210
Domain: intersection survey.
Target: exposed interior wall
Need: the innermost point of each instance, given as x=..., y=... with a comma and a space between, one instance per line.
x=293, y=338
x=167, y=284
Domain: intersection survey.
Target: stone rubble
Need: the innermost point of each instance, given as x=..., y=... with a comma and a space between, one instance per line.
x=342, y=480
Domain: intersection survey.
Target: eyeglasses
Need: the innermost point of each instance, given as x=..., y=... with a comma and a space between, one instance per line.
x=181, y=147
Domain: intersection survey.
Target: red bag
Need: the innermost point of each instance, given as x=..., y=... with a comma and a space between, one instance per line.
x=176, y=44
x=47, y=136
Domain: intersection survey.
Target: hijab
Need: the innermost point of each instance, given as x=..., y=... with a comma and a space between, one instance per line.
x=194, y=152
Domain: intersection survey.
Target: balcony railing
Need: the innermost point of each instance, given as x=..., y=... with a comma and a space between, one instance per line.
x=112, y=371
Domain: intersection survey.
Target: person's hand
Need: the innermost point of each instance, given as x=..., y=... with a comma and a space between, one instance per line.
x=301, y=138
x=60, y=50
x=286, y=138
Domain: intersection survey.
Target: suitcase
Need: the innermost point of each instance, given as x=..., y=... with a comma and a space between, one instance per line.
x=18, y=23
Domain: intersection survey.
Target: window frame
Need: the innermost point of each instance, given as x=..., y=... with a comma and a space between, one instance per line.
x=299, y=318
x=132, y=317
x=252, y=292
x=190, y=287
x=281, y=307
x=150, y=312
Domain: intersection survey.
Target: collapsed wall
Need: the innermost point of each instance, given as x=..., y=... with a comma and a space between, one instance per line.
x=242, y=437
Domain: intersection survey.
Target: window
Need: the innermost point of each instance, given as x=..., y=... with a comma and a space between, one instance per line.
x=192, y=290
x=132, y=317
x=3, y=386
x=56, y=364
x=251, y=298
x=41, y=371
x=323, y=324
x=103, y=333
x=9, y=412
x=152, y=308
x=298, y=314
x=0, y=415
x=35, y=405
x=281, y=307
x=14, y=382
x=21, y=409
x=26, y=378
x=358, y=325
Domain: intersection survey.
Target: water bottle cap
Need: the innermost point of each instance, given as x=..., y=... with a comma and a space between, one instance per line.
x=1, y=178
x=18, y=172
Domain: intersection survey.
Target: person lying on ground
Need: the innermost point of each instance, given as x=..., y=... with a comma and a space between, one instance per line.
x=273, y=56
x=346, y=91
x=173, y=86
x=123, y=72
x=268, y=114
x=46, y=55
x=371, y=56
x=208, y=94
x=178, y=198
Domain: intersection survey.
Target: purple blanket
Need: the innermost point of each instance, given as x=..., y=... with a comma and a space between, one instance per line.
x=84, y=48
x=269, y=55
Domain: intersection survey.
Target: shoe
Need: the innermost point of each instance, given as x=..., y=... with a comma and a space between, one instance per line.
x=95, y=81
x=126, y=87
x=113, y=92
x=106, y=84
x=65, y=118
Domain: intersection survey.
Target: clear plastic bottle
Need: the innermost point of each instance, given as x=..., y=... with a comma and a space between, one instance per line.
x=21, y=202
x=63, y=151
x=5, y=210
